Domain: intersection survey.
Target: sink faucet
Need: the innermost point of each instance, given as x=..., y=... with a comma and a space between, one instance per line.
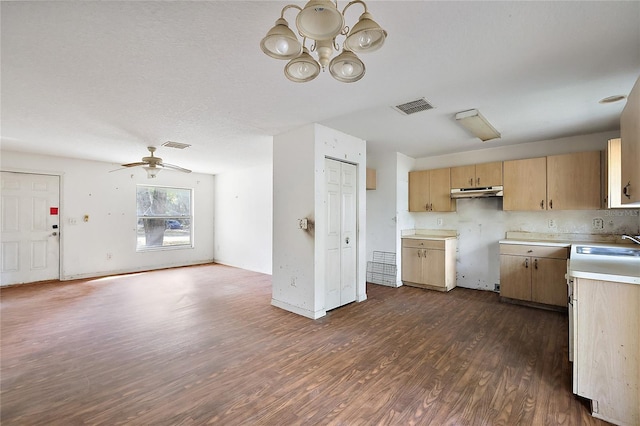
x=629, y=237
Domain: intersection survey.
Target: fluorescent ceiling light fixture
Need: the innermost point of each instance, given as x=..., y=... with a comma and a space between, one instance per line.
x=475, y=123
x=321, y=22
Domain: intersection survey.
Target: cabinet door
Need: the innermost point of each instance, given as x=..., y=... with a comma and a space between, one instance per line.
x=611, y=187
x=573, y=181
x=515, y=277
x=463, y=176
x=525, y=184
x=412, y=264
x=419, y=191
x=489, y=174
x=433, y=268
x=548, y=284
x=630, y=137
x=440, y=190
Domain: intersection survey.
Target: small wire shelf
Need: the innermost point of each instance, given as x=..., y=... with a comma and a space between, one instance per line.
x=383, y=269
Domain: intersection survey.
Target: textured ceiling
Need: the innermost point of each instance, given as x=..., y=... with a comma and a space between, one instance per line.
x=103, y=80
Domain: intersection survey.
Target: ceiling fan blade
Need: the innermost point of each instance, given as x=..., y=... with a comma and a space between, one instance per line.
x=172, y=166
x=134, y=164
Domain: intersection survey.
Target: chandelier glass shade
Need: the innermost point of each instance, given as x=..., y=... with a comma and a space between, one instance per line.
x=321, y=22
x=152, y=171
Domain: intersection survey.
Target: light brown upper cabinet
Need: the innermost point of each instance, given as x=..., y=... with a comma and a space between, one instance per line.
x=557, y=182
x=429, y=190
x=371, y=179
x=477, y=175
x=525, y=184
x=630, y=141
x=573, y=181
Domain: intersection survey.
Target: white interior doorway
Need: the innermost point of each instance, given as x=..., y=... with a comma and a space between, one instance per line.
x=341, y=237
x=30, y=228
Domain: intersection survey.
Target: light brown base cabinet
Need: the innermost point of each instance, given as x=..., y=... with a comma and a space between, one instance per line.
x=534, y=274
x=429, y=263
x=606, y=361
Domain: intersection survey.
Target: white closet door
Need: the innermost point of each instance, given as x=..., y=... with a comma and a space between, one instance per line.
x=341, y=237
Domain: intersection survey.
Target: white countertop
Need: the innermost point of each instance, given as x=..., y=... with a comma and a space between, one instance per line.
x=428, y=237
x=537, y=242
x=625, y=269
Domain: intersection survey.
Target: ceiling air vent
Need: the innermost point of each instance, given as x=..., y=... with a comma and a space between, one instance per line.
x=414, y=106
x=178, y=145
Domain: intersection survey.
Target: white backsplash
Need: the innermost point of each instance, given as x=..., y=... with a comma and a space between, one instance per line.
x=481, y=223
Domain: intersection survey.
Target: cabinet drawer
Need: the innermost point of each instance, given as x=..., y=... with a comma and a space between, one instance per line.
x=535, y=251
x=425, y=244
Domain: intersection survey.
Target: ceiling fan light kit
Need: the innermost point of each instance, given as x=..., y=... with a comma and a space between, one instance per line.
x=322, y=22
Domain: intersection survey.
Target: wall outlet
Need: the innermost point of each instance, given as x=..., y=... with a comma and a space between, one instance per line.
x=496, y=288
x=552, y=223
x=439, y=221
x=598, y=223
x=109, y=256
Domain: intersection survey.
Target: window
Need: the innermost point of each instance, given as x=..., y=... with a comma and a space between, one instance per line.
x=164, y=217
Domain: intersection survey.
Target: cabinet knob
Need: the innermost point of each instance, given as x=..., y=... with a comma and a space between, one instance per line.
x=542, y=204
x=551, y=204
x=535, y=263
x=526, y=263
x=470, y=181
x=478, y=181
x=419, y=253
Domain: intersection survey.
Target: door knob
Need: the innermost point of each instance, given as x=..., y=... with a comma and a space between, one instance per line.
x=54, y=234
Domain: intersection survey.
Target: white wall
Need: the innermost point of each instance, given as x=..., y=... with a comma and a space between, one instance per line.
x=299, y=192
x=243, y=218
x=486, y=154
x=481, y=223
x=88, y=188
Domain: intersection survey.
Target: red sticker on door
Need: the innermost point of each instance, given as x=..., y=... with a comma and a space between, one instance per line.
x=53, y=211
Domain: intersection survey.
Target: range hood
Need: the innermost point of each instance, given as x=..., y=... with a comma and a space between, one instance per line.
x=489, y=191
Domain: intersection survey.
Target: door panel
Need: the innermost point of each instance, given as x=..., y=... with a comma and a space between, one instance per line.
x=573, y=181
x=525, y=184
x=489, y=174
x=515, y=277
x=419, y=191
x=548, y=284
x=333, y=244
x=30, y=243
x=412, y=264
x=341, y=239
x=434, y=267
x=440, y=190
x=349, y=238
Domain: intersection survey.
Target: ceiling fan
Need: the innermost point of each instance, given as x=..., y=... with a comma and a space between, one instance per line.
x=153, y=164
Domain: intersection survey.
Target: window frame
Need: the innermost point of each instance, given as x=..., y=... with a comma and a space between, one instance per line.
x=190, y=217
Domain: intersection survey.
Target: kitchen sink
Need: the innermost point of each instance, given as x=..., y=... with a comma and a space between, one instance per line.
x=608, y=251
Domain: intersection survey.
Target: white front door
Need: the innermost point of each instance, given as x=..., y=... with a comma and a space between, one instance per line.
x=341, y=266
x=30, y=228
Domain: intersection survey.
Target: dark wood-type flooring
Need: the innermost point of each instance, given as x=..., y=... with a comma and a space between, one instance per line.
x=203, y=345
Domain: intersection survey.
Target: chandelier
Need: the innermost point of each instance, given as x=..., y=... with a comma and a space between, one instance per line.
x=321, y=22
